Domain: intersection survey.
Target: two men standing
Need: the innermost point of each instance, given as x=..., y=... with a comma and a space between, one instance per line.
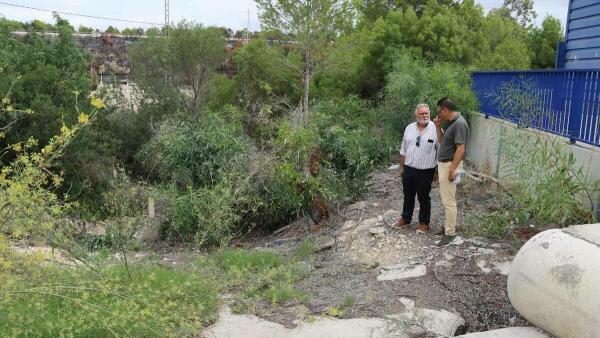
x=445, y=149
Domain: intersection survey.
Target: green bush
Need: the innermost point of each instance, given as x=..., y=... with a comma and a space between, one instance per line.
x=413, y=81
x=195, y=152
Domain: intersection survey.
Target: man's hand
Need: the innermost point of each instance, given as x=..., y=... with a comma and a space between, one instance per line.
x=437, y=122
x=451, y=174
x=435, y=176
x=400, y=172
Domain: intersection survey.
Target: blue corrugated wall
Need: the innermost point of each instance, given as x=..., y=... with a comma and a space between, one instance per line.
x=582, y=50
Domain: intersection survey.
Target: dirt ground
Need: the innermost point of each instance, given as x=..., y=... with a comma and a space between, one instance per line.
x=360, y=256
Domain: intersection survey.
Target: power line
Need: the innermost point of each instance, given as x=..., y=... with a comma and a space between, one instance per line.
x=77, y=14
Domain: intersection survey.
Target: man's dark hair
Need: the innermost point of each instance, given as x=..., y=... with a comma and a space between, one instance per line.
x=446, y=102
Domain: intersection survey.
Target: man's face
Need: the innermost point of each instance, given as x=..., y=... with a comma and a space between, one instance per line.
x=443, y=113
x=422, y=115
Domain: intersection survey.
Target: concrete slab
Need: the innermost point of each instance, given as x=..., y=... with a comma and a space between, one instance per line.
x=404, y=325
x=511, y=332
x=402, y=273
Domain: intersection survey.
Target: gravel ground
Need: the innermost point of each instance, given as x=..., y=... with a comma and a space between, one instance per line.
x=358, y=244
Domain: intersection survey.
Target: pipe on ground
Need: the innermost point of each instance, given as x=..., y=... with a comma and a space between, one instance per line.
x=554, y=281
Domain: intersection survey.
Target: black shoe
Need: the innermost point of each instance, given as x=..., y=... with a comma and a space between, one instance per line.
x=441, y=232
x=446, y=240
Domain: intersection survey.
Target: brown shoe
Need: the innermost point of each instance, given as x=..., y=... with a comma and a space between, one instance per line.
x=423, y=228
x=402, y=223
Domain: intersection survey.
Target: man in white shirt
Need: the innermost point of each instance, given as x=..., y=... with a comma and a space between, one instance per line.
x=418, y=162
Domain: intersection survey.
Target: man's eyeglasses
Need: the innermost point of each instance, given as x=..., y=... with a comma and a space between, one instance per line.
x=418, y=140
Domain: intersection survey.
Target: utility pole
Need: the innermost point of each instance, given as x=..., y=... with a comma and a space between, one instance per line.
x=248, y=28
x=166, y=17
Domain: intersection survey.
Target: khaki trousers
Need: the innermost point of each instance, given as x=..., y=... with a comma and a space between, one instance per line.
x=448, y=193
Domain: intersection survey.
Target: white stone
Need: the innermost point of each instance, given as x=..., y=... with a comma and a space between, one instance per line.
x=391, y=217
x=553, y=282
x=476, y=241
x=511, y=332
x=395, y=167
x=482, y=265
x=484, y=251
x=503, y=267
x=402, y=273
x=349, y=224
x=376, y=230
x=441, y=323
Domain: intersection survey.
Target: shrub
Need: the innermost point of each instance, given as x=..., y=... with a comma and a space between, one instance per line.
x=413, y=81
x=195, y=152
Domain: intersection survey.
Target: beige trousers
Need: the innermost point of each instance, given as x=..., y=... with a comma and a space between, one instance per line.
x=448, y=193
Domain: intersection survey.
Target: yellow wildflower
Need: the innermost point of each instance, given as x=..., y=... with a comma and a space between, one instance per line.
x=97, y=103
x=83, y=118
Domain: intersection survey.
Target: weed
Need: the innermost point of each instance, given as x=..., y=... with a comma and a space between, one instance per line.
x=348, y=301
x=306, y=249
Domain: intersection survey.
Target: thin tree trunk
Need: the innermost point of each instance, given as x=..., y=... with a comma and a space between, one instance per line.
x=304, y=108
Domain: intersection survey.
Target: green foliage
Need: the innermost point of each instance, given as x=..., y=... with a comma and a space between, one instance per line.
x=544, y=43
x=195, y=151
x=548, y=187
x=341, y=69
x=313, y=25
x=206, y=216
x=85, y=29
x=260, y=275
x=112, y=30
x=154, y=302
x=179, y=69
x=265, y=85
x=306, y=249
x=412, y=81
x=447, y=34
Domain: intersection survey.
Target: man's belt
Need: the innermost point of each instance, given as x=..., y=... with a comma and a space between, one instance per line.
x=445, y=161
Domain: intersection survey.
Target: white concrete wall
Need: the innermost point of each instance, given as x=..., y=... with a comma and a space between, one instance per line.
x=488, y=136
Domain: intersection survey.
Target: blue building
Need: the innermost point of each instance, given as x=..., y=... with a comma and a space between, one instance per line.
x=581, y=50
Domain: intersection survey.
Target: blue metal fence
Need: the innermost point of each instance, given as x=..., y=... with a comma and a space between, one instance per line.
x=566, y=102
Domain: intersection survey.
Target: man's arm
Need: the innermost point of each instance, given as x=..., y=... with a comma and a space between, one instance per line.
x=401, y=168
x=458, y=156
x=438, y=129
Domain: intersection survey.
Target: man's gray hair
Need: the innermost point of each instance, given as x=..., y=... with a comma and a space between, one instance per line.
x=421, y=105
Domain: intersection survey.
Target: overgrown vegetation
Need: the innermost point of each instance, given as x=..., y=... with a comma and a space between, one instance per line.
x=547, y=187
x=224, y=144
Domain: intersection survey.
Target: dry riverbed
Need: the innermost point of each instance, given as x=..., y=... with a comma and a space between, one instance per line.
x=363, y=267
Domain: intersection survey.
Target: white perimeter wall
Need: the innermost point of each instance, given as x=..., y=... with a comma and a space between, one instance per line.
x=484, y=149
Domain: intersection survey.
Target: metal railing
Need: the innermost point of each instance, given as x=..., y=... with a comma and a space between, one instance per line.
x=562, y=101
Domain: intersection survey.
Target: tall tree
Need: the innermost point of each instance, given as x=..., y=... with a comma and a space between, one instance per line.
x=521, y=10
x=313, y=25
x=544, y=42
x=181, y=66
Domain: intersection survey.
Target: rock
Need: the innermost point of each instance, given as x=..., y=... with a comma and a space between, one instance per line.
x=441, y=323
x=370, y=223
x=325, y=246
x=484, y=251
x=482, y=265
x=377, y=231
x=391, y=217
x=511, y=332
x=349, y=224
x=394, y=167
x=503, y=267
x=459, y=241
x=402, y=272
x=476, y=241
x=362, y=205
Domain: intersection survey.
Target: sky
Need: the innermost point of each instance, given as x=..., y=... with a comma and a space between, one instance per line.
x=228, y=13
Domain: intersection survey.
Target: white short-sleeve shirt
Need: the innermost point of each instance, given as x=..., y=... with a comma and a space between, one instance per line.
x=423, y=156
